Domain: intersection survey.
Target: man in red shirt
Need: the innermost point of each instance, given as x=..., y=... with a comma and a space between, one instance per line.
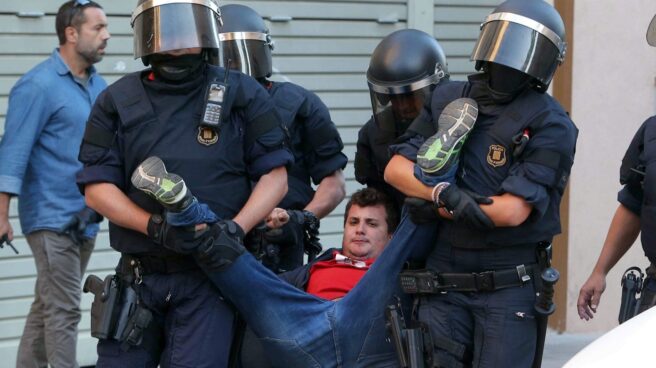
x=369, y=221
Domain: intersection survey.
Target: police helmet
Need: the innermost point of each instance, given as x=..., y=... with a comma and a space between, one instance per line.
x=525, y=35
x=404, y=68
x=651, y=32
x=166, y=25
x=245, y=42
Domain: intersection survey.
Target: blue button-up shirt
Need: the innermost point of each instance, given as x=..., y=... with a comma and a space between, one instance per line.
x=46, y=118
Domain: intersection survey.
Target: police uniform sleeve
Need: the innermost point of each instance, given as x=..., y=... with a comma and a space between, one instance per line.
x=323, y=144
x=631, y=194
x=100, y=152
x=265, y=145
x=630, y=199
x=542, y=170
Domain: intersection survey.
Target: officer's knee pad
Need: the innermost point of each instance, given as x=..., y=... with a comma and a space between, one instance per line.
x=220, y=248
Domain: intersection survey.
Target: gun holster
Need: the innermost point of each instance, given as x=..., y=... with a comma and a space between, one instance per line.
x=632, y=282
x=116, y=312
x=105, y=308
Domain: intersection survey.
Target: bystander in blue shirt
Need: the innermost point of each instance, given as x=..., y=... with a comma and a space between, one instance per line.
x=42, y=136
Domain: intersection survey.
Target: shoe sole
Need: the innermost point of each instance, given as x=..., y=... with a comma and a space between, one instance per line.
x=151, y=177
x=453, y=126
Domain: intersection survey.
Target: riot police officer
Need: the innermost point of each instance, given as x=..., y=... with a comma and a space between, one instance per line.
x=217, y=128
x=404, y=69
x=246, y=46
x=519, y=155
x=636, y=214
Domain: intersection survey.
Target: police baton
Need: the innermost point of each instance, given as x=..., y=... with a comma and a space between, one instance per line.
x=544, y=306
x=5, y=239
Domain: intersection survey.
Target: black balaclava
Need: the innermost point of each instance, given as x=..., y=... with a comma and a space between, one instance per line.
x=504, y=83
x=176, y=68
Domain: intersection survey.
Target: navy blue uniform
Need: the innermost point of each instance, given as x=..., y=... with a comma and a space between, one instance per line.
x=639, y=191
x=314, y=140
x=317, y=148
x=146, y=117
x=496, y=328
x=371, y=158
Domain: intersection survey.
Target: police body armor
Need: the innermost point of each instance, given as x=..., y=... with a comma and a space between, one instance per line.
x=214, y=168
x=638, y=172
x=517, y=116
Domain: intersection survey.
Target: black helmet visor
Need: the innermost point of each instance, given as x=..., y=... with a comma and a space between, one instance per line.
x=165, y=25
x=394, y=112
x=248, y=52
x=519, y=47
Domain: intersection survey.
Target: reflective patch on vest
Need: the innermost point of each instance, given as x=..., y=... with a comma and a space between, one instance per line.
x=496, y=156
x=207, y=136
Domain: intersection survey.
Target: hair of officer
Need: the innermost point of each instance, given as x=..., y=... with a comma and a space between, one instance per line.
x=71, y=13
x=372, y=197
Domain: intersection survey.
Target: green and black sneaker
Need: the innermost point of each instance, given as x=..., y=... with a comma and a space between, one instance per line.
x=167, y=188
x=453, y=126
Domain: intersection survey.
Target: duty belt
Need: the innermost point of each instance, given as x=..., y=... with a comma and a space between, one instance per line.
x=149, y=264
x=430, y=282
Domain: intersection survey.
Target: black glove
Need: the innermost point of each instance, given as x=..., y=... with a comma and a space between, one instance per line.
x=75, y=227
x=156, y=227
x=290, y=234
x=463, y=204
x=421, y=211
x=220, y=245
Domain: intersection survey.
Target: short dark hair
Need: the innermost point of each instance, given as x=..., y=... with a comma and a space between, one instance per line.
x=71, y=13
x=372, y=197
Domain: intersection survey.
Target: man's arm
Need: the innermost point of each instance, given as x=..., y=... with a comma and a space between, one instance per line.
x=505, y=210
x=108, y=200
x=268, y=192
x=329, y=194
x=622, y=233
x=399, y=173
x=5, y=226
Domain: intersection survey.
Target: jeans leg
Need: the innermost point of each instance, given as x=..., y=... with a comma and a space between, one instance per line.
x=195, y=213
x=295, y=327
x=376, y=288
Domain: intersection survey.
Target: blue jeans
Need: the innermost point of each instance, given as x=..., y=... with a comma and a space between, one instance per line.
x=300, y=330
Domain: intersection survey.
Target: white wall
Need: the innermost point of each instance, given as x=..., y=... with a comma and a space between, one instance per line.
x=613, y=93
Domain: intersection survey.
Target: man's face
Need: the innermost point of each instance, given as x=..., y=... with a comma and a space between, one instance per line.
x=406, y=107
x=365, y=232
x=92, y=35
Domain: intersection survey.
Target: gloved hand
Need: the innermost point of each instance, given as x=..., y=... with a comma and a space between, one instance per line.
x=291, y=233
x=421, y=211
x=464, y=205
x=76, y=226
x=221, y=245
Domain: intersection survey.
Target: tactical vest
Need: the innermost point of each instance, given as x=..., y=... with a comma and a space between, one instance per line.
x=640, y=158
x=527, y=111
x=216, y=173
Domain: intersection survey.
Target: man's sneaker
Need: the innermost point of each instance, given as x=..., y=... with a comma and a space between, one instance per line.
x=438, y=152
x=167, y=188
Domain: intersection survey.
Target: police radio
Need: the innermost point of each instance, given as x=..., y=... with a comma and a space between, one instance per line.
x=217, y=93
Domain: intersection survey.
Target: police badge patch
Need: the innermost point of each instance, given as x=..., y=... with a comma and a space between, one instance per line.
x=496, y=156
x=207, y=136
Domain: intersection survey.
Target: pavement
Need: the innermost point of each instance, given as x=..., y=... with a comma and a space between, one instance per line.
x=559, y=348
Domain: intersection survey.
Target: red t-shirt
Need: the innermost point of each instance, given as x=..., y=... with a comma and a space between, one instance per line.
x=333, y=278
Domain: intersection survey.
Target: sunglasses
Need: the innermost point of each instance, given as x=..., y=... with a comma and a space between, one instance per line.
x=77, y=4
